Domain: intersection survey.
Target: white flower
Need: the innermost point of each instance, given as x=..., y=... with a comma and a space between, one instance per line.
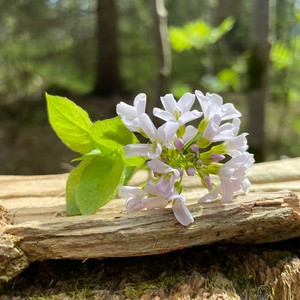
x=212, y=104
x=177, y=111
x=159, y=137
x=129, y=114
x=161, y=193
x=164, y=187
x=236, y=145
x=216, y=132
x=232, y=178
x=160, y=167
x=135, y=196
x=150, y=150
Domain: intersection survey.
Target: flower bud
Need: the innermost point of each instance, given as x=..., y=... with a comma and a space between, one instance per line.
x=179, y=144
x=194, y=148
x=208, y=182
x=190, y=171
x=217, y=157
x=198, y=162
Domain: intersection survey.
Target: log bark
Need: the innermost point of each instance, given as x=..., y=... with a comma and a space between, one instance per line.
x=34, y=225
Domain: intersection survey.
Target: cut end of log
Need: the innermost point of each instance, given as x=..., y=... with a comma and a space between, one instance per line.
x=12, y=259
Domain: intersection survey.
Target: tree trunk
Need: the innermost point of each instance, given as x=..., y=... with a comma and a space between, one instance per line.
x=258, y=66
x=108, y=80
x=163, y=50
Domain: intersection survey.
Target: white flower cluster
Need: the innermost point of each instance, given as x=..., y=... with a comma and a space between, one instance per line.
x=175, y=149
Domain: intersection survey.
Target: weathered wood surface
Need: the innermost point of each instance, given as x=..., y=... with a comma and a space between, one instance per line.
x=36, y=225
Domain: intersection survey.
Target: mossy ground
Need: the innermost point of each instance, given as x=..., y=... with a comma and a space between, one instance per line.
x=215, y=272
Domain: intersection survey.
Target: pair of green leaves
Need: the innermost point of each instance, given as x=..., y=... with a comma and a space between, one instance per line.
x=103, y=166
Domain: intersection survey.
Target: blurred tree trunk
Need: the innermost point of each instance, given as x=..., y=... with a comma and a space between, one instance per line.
x=108, y=80
x=258, y=66
x=163, y=49
x=232, y=42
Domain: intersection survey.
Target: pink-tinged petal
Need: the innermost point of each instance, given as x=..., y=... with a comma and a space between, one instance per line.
x=164, y=187
x=160, y=167
x=208, y=182
x=186, y=102
x=148, y=126
x=227, y=191
x=181, y=212
x=162, y=114
x=137, y=149
x=169, y=103
x=238, y=143
x=210, y=197
x=157, y=166
x=155, y=202
x=226, y=171
x=134, y=204
x=245, y=185
x=126, y=191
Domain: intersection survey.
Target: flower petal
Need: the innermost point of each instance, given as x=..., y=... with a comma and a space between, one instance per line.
x=181, y=212
x=186, y=102
x=148, y=126
x=137, y=149
x=140, y=103
x=162, y=114
x=169, y=103
x=189, y=116
x=155, y=202
x=134, y=204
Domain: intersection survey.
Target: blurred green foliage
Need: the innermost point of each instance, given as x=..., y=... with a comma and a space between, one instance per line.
x=198, y=34
x=50, y=45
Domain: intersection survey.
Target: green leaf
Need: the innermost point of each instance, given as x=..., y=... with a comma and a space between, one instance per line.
x=90, y=154
x=72, y=182
x=70, y=122
x=98, y=183
x=197, y=34
x=112, y=135
x=281, y=55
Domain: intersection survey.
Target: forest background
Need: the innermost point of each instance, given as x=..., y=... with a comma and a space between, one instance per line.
x=98, y=53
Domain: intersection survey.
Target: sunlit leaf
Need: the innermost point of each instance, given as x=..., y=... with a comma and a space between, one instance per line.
x=281, y=55
x=70, y=122
x=197, y=34
x=98, y=183
x=111, y=135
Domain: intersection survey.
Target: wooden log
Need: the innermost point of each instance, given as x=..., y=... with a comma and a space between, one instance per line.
x=33, y=212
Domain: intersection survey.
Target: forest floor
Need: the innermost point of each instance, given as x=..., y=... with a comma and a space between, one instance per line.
x=214, y=272
x=29, y=146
